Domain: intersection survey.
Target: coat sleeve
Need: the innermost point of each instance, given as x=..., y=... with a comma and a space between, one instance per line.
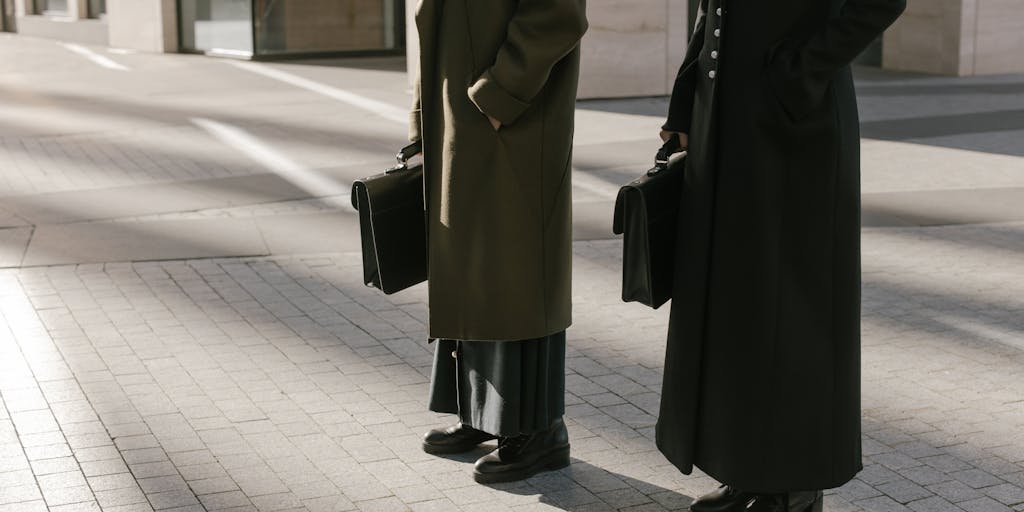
x=415, y=114
x=540, y=34
x=680, y=108
x=800, y=75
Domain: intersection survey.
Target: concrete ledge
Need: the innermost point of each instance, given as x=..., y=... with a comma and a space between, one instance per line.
x=141, y=200
x=93, y=32
x=13, y=243
x=143, y=241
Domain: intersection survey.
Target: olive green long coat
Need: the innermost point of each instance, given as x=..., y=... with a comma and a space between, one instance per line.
x=499, y=206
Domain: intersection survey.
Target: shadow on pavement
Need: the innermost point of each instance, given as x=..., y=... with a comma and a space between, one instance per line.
x=574, y=487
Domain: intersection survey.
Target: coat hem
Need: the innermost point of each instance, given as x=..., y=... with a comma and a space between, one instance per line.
x=780, y=485
x=490, y=336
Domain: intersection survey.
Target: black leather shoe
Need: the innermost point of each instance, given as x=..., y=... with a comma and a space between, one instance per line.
x=802, y=501
x=724, y=499
x=457, y=438
x=520, y=457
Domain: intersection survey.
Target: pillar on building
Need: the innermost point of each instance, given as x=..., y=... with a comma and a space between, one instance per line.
x=146, y=25
x=957, y=37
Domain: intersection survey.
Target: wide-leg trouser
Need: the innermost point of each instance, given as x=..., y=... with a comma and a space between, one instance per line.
x=505, y=388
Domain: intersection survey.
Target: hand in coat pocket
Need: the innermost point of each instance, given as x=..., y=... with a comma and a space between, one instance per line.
x=494, y=123
x=798, y=92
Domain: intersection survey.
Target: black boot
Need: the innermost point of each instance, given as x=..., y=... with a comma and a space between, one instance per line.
x=521, y=457
x=800, y=501
x=457, y=438
x=724, y=499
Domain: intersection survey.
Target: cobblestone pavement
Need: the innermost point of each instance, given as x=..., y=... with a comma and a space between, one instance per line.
x=279, y=382
x=282, y=383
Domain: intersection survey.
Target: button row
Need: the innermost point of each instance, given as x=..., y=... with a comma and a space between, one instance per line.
x=714, y=53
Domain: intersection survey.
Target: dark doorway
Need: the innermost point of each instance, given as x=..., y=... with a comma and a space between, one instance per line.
x=8, y=23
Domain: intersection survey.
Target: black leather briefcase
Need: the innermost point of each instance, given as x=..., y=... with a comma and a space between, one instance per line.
x=393, y=225
x=647, y=212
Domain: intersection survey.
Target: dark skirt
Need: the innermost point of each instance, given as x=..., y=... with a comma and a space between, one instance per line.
x=504, y=388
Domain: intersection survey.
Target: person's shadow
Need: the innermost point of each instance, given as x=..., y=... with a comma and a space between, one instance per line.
x=583, y=486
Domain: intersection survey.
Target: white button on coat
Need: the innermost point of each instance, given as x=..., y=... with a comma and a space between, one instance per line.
x=711, y=74
x=714, y=54
x=718, y=32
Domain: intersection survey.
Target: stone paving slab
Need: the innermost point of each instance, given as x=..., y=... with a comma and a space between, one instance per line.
x=142, y=200
x=96, y=242
x=283, y=383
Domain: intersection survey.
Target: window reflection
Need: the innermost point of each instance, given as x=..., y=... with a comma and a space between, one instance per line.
x=51, y=6
x=97, y=8
x=301, y=26
x=291, y=26
x=217, y=26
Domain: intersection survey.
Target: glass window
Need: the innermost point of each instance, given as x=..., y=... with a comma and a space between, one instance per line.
x=217, y=26
x=97, y=8
x=310, y=26
x=51, y=6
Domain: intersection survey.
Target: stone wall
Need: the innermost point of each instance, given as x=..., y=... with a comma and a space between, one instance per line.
x=147, y=25
x=633, y=47
x=998, y=36
x=958, y=37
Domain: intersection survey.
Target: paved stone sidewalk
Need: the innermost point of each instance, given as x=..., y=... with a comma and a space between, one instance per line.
x=283, y=383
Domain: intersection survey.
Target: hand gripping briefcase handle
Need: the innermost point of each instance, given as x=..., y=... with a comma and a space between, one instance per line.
x=393, y=224
x=647, y=213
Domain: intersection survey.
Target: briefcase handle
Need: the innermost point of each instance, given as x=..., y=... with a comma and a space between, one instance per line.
x=404, y=155
x=671, y=147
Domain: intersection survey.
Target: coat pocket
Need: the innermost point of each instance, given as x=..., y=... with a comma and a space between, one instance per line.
x=797, y=92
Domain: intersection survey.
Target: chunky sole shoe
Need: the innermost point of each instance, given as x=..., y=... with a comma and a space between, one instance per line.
x=723, y=499
x=450, y=449
x=457, y=438
x=554, y=460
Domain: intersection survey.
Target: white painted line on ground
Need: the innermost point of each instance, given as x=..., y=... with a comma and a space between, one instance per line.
x=382, y=109
x=295, y=173
x=101, y=60
x=121, y=51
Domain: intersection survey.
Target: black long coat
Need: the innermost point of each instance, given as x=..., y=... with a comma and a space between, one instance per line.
x=762, y=371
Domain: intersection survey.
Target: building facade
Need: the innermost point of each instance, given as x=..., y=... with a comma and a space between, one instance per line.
x=958, y=37
x=231, y=28
x=632, y=49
